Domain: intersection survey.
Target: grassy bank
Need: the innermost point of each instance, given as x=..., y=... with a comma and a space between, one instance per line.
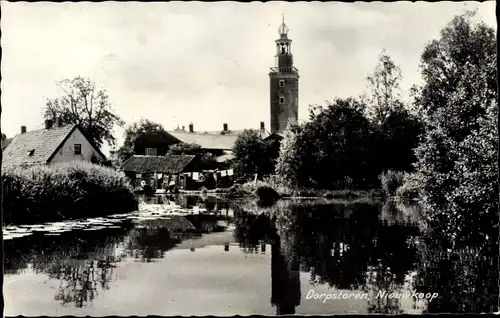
x=271, y=191
x=65, y=191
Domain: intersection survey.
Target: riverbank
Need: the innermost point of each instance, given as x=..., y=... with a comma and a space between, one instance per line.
x=270, y=192
x=67, y=191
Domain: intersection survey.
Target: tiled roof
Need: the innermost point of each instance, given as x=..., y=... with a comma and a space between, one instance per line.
x=34, y=147
x=166, y=164
x=212, y=140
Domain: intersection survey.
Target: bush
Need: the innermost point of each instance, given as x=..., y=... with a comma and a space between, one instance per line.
x=391, y=181
x=64, y=191
x=409, y=190
x=267, y=193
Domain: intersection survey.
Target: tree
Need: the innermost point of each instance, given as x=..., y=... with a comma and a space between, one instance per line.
x=145, y=134
x=384, y=91
x=207, y=160
x=331, y=151
x=183, y=148
x=252, y=154
x=83, y=104
x=397, y=138
x=397, y=129
x=444, y=61
x=289, y=166
x=5, y=141
x=457, y=161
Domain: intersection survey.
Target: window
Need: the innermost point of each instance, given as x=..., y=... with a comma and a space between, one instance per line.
x=282, y=83
x=282, y=100
x=78, y=149
x=150, y=151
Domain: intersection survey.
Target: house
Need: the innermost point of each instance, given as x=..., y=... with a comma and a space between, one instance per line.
x=218, y=143
x=51, y=145
x=160, y=171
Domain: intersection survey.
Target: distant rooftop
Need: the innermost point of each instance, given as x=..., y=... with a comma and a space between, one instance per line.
x=212, y=139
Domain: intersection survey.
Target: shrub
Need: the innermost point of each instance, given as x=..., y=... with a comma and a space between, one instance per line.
x=409, y=190
x=64, y=191
x=267, y=193
x=391, y=181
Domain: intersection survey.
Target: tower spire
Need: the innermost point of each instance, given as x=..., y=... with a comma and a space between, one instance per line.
x=283, y=29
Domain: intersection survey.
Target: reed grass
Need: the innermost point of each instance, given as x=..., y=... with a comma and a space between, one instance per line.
x=64, y=191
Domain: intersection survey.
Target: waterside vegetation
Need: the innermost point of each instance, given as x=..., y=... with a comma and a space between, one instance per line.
x=64, y=191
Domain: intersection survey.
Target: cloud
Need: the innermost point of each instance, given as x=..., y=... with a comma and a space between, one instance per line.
x=208, y=63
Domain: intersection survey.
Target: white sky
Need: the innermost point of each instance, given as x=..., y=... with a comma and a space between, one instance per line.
x=208, y=63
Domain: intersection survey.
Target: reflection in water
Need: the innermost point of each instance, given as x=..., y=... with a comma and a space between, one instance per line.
x=347, y=247
x=357, y=247
x=79, y=280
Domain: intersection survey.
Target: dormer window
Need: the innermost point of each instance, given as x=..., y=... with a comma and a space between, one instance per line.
x=282, y=83
x=31, y=152
x=78, y=149
x=282, y=99
x=150, y=151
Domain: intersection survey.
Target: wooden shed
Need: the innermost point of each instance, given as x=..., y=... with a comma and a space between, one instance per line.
x=161, y=172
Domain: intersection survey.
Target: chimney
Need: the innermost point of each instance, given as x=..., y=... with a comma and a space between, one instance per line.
x=48, y=124
x=183, y=128
x=23, y=129
x=58, y=122
x=224, y=127
x=191, y=128
x=262, y=126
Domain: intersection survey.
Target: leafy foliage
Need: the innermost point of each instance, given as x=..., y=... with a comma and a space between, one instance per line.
x=253, y=154
x=331, y=151
x=145, y=134
x=184, y=149
x=397, y=128
x=457, y=160
x=391, y=181
x=63, y=191
x=384, y=90
x=5, y=141
x=397, y=138
x=207, y=160
x=83, y=104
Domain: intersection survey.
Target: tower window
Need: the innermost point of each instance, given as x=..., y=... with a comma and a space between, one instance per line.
x=282, y=83
x=282, y=100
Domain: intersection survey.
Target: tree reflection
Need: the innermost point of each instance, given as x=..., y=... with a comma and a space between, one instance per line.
x=462, y=277
x=82, y=261
x=79, y=280
x=346, y=246
x=149, y=243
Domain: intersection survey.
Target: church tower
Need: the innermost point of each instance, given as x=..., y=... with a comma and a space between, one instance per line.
x=284, y=80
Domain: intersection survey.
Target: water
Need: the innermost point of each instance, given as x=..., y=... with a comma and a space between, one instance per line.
x=205, y=256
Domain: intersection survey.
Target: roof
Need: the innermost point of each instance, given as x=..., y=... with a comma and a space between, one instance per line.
x=166, y=164
x=39, y=146
x=213, y=139
x=44, y=142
